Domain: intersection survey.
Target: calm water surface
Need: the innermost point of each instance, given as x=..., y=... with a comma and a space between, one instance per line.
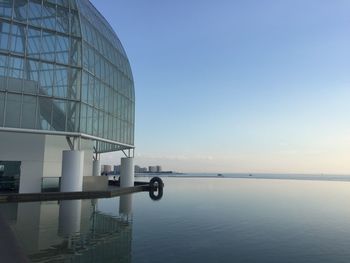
x=197, y=220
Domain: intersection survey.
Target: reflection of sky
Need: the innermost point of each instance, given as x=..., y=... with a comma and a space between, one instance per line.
x=239, y=86
x=244, y=220
x=197, y=220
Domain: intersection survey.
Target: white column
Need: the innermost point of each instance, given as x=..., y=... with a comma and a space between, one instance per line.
x=127, y=172
x=72, y=171
x=96, y=168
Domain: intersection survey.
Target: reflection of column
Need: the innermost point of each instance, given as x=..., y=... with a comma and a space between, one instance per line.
x=69, y=217
x=125, y=206
x=127, y=172
x=72, y=171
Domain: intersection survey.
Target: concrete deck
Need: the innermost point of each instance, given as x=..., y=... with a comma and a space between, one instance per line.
x=35, y=197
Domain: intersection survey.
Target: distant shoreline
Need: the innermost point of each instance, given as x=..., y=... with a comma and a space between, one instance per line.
x=310, y=177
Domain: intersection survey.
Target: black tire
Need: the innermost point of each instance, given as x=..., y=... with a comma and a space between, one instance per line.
x=156, y=184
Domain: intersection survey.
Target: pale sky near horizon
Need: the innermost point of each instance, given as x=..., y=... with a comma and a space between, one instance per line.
x=238, y=85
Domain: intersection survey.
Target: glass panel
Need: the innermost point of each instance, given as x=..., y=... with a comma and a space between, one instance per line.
x=62, y=49
x=85, y=56
x=75, y=25
x=3, y=66
x=75, y=52
x=48, y=16
x=29, y=112
x=44, y=113
x=118, y=135
x=9, y=176
x=74, y=84
x=3, y=83
x=61, y=82
x=97, y=93
x=20, y=10
x=17, y=39
x=4, y=35
x=110, y=100
x=46, y=79
x=98, y=63
x=59, y=115
x=102, y=96
x=15, y=67
x=110, y=127
x=13, y=110
x=14, y=84
x=83, y=118
x=115, y=104
x=114, y=129
x=62, y=23
x=2, y=106
x=73, y=116
x=34, y=12
x=91, y=90
x=105, y=126
x=33, y=75
x=91, y=60
x=85, y=87
x=33, y=43
x=89, y=122
x=95, y=122
x=48, y=46
x=6, y=8
x=100, y=123
x=64, y=3
x=120, y=107
x=30, y=87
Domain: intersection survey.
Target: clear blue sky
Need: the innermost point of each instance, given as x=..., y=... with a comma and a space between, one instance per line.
x=239, y=85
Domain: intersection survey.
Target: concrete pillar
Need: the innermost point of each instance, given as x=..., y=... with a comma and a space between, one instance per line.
x=72, y=171
x=96, y=168
x=127, y=172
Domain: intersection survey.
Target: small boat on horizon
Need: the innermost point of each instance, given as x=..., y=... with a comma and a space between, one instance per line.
x=220, y=175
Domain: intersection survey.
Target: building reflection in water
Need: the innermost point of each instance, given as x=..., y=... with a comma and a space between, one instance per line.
x=73, y=230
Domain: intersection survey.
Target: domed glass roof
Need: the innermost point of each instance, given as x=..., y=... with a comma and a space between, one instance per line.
x=63, y=70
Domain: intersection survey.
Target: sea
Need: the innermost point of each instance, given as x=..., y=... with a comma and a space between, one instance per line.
x=200, y=218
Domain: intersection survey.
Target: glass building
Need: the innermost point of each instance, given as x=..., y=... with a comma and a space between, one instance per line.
x=64, y=71
x=63, y=74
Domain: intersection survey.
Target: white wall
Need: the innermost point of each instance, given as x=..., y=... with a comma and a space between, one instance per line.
x=41, y=156
x=29, y=149
x=53, y=155
x=54, y=145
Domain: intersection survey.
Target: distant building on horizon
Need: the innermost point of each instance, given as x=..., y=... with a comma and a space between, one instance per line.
x=152, y=169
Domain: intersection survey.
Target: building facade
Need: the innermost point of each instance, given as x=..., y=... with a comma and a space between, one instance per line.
x=65, y=84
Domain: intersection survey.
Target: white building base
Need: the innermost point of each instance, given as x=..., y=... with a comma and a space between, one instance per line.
x=72, y=171
x=40, y=156
x=127, y=172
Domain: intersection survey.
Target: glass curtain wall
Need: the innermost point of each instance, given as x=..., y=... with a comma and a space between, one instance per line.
x=63, y=68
